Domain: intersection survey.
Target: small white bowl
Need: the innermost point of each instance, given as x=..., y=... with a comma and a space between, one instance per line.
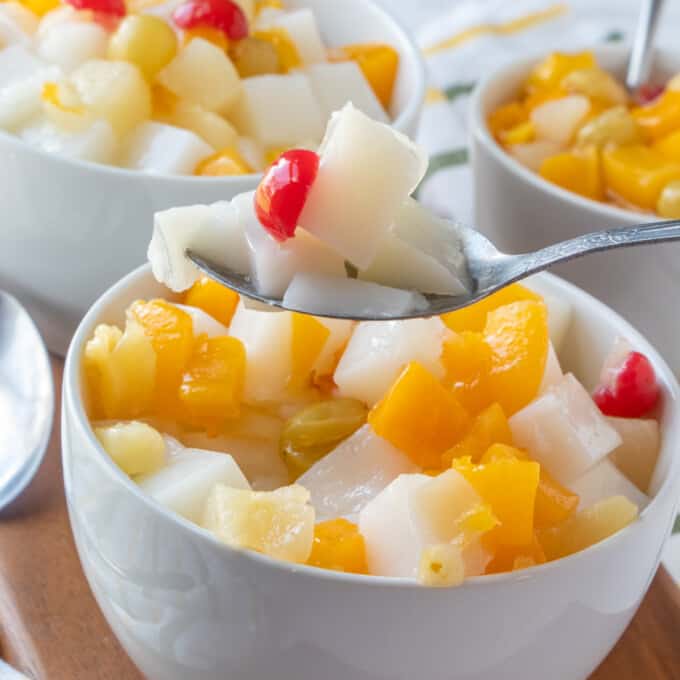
x=185, y=606
x=71, y=229
x=520, y=211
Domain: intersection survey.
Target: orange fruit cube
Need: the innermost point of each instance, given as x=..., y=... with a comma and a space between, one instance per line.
x=508, y=484
x=661, y=117
x=488, y=428
x=473, y=318
x=309, y=336
x=550, y=72
x=213, y=298
x=379, y=64
x=212, y=385
x=519, y=134
x=578, y=171
x=518, y=336
x=638, y=173
x=223, y=163
x=420, y=416
x=513, y=557
x=554, y=502
x=338, y=545
x=505, y=118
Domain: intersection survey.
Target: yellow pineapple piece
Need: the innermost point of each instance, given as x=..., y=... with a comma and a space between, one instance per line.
x=136, y=448
x=441, y=565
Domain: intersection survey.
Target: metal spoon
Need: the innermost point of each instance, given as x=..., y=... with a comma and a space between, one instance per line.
x=640, y=62
x=488, y=269
x=26, y=399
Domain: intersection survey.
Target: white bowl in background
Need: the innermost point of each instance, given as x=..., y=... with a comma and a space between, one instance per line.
x=520, y=211
x=184, y=605
x=70, y=229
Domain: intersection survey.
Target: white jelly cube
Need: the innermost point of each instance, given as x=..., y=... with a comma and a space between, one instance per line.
x=278, y=110
x=557, y=120
x=267, y=337
x=337, y=83
x=339, y=333
x=184, y=483
x=301, y=27
x=602, y=481
x=18, y=63
x=203, y=74
x=351, y=475
x=322, y=294
x=70, y=44
x=366, y=171
x=164, y=150
x=559, y=318
x=21, y=100
x=17, y=24
x=378, y=351
x=203, y=323
x=552, y=375
x=636, y=456
x=564, y=430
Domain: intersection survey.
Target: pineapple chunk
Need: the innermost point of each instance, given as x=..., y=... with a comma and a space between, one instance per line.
x=441, y=565
x=184, y=483
x=277, y=523
x=135, y=447
x=115, y=90
x=639, y=449
x=202, y=74
x=70, y=44
x=603, y=481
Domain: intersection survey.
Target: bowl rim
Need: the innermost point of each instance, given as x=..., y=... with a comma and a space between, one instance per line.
x=408, y=115
x=481, y=133
x=73, y=413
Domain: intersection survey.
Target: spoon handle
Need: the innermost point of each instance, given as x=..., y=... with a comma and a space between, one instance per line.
x=518, y=266
x=641, y=54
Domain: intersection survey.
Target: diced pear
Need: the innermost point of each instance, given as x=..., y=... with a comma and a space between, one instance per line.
x=552, y=375
x=160, y=149
x=278, y=110
x=203, y=323
x=557, y=120
x=353, y=200
x=636, y=456
x=379, y=350
x=322, y=294
x=412, y=513
x=184, y=483
x=203, y=74
x=115, y=90
x=564, y=431
x=277, y=523
x=17, y=64
x=214, y=230
x=533, y=154
x=272, y=264
x=355, y=472
x=209, y=126
x=267, y=338
x=602, y=481
x=95, y=142
x=301, y=27
x=337, y=83
x=135, y=447
x=339, y=334
x=70, y=44
x=423, y=273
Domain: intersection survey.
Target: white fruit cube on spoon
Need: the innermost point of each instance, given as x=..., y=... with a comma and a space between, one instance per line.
x=366, y=171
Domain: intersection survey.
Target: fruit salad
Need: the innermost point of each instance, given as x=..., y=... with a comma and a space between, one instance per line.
x=575, y=125
x=430, y=449
x=179, y=87
x=326, y=232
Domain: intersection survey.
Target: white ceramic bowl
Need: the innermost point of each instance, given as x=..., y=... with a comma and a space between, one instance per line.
x=185, y=606
x=520, y=211
x=71, y=229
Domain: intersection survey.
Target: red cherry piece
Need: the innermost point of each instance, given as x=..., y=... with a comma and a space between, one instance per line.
x=631, y=389
x=114, y=8
x=647, y=93
x=224, y=15
x=282, y=193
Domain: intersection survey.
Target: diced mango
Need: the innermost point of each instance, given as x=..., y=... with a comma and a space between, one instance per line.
x=213, y=298
x=136, y=448
x=661, y=117
x=638, y=173
x=520, y=134
x=338, y=545
x=473, y=318
x=488, y=428
x=669, y=146
x=226, y=162
x=549, y=73
x=212, y=384
x=554, y=502
x=588, y=527
x=380, y=64
x=420, y=416
x=508, y=485
x=506, y=118
x=513, y=557
x=309, y=336
x=120, y=369
x=518, y=336
x=577, y=171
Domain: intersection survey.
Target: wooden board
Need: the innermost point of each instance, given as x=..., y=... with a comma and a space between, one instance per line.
x=51, y=629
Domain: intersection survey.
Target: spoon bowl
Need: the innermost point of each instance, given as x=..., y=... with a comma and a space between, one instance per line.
x=26, y=399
